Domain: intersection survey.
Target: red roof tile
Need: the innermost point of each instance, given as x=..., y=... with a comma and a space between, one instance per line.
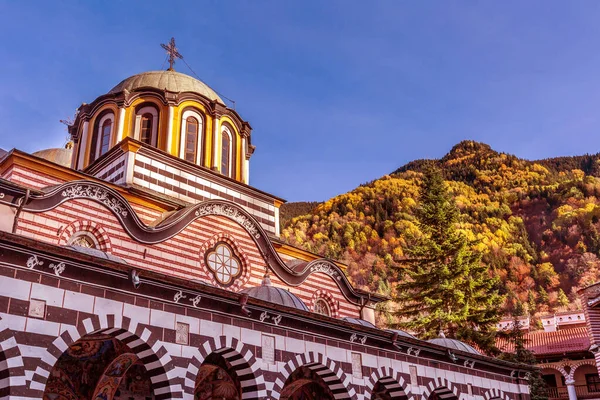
x=561, y=341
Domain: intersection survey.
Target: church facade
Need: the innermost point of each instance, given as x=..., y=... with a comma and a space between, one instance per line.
x=141, y=264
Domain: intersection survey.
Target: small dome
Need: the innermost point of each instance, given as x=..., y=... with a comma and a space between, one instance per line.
x=359, y=321
x=276, y=295
x=58, y=156
x=402, y=333
x=166, y=80
x=453, y=344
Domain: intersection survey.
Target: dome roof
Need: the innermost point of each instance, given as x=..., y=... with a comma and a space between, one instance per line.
x=58, y=156
x=276, y=295
x=359, y=321
x=166, y=80
x=402, y=333
x=453, y=344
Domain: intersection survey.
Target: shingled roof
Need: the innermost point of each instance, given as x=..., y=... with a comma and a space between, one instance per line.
x=558, y=342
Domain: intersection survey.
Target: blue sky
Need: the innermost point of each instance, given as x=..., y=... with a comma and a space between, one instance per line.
x=338, y=92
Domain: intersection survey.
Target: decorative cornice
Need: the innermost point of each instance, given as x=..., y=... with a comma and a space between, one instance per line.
x=178, y=221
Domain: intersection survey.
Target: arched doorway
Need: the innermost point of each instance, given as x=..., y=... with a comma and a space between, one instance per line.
x=217, y=380
x=387, y=388
x=98, y=367
x=308, y=383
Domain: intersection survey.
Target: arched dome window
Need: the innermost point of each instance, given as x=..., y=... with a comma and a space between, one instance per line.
x=227, y=147
x=146, y=129
x=322, y=307
x=146, y=125
x=191, y=137
x=102, y=136
x=105, y=136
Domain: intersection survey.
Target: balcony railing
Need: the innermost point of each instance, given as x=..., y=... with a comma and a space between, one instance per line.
x=582, y=391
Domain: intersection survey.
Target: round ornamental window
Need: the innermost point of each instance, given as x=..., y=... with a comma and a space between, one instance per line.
x=322, y=307
x=224, y=265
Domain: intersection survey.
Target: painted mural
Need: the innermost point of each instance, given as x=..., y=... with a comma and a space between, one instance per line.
x=304, y=384
x=214, y=382
x=96, y=367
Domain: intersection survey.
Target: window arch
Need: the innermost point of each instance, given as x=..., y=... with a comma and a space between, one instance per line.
x=227, y=152
x=146, y=125
x=102, y=135
x=191, y=137
x=322, y=307
x=84, y=239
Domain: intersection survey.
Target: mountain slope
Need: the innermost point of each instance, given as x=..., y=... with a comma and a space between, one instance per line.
x=536, y=222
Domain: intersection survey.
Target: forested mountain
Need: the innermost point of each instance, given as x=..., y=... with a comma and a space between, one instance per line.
x=537, y=223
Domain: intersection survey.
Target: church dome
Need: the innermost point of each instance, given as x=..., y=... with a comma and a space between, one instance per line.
x=58, y=156
x=276, y=295
x=166, y=80
x=453, y=344
x=401, y=333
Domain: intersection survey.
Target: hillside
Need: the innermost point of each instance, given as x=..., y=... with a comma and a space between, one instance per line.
x=537, y=223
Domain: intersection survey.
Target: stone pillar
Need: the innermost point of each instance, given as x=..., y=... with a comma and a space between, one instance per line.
x=215, y=162
x=83, y=145
x=121, y=125
x=170, y=132
x=243, y=163
x=571, y=389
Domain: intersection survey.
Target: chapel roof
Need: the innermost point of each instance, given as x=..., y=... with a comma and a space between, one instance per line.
x=172, y=81
x=453, y=344
x=267, y=292
x=60, y=156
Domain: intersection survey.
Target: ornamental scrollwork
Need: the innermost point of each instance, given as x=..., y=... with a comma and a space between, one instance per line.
x=469, y=363
x=413, y=351
x=326, y=269
x=178, y=296
x=58, y=268
x=196, y=300
x=96, y=193
x=33, y=261
x=230, y=212
x=276, y=318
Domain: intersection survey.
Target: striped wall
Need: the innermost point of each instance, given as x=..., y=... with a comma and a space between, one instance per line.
x=191, y=187
x=29, y=347
x=179, y=256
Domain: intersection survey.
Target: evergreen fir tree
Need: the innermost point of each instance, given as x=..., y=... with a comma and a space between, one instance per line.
x=562, y=299
x=537, y=386
x=531, y=303
x=444, y=285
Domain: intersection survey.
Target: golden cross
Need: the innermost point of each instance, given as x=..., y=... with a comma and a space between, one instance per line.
x=172, y=52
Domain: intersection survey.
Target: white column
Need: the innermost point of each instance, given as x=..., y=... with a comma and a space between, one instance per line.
x=215, y=163
x=83, y=145
x=243, y=161
x=169, y=130
x=277, y=221
x=247, y=171
x=121, y=126
x=571, y=389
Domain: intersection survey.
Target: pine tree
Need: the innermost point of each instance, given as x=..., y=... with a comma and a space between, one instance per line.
x=537, y=386
x=444, y=285
x=562, y=299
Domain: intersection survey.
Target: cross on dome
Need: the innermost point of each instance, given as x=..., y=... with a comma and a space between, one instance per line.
x=172, y=52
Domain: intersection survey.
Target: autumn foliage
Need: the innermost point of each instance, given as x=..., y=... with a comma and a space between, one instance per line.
x=535, y=223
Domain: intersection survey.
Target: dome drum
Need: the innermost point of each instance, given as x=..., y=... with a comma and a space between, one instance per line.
x=151, y=107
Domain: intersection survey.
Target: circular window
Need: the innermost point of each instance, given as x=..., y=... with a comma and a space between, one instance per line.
x=84, y=239
x=322, y=307
x=224, y=265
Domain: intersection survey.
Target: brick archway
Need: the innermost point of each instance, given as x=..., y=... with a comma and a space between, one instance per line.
x=141, y=342
x=494, y=394
x=243, y=364
x=443, y=388
x=392, y=380
x=12, y=371
x=330, y=371
x=90, y=227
